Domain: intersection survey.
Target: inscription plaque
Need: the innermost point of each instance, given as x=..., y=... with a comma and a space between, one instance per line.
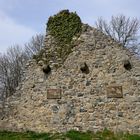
x=114, y=92
x=53, y=93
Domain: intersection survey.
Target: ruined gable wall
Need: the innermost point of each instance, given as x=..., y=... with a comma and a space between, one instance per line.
x=107, y=95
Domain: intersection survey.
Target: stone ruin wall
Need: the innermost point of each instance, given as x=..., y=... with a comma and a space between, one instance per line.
x=92, y=90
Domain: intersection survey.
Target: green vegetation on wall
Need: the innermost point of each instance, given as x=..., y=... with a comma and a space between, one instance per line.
x=64, y=26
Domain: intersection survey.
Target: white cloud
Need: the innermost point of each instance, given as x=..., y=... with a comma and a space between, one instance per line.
x=12, y=33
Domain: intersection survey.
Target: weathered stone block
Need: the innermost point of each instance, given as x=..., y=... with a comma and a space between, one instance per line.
x=54, y=93
x=55, y=108
x=114, y=91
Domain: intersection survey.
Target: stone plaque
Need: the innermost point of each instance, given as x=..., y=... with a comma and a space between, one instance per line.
x=53, y=93
x=114, y=92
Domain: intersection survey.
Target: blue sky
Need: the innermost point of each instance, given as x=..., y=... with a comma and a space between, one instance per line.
x=21, y=19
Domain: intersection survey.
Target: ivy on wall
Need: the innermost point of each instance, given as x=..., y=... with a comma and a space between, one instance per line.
x=64, y=26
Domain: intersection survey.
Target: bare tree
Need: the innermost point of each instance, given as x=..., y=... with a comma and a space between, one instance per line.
x=34, y=46
x=11, y=67
x=121, y=28
x=12, y=63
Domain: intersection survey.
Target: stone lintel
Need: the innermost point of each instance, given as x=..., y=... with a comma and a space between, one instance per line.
x=54, y=93
x=114, y=91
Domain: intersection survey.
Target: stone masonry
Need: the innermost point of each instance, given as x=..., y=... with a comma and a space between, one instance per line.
x=97, y=87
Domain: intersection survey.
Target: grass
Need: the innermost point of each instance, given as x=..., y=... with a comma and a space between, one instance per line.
x=76, y=135
x=70, y=135
x=4, y=135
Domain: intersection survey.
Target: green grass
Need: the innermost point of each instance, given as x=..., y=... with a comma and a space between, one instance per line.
x=76, y=135
x=70, y=135
x=4, y=135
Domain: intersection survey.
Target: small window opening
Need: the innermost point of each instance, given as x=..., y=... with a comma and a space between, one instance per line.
x=84, y=68
x=46, y=69
x=127, y=65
